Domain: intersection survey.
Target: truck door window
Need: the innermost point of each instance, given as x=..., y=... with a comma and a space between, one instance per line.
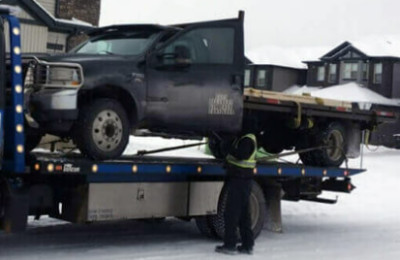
x=203, y=46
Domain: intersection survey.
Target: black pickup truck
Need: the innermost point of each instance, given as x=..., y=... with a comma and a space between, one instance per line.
x=182, y=80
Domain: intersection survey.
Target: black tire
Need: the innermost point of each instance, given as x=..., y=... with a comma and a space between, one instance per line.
x=204, y=226
x=257, y=208
x=271, y=146
x=220, y=147
x=102, y=130
x=333, y=135
x=32, y=138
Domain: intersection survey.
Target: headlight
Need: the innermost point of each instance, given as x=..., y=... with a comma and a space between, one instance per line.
x=41, y=74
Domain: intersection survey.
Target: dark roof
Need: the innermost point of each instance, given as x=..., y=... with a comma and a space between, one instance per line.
x=34, y=9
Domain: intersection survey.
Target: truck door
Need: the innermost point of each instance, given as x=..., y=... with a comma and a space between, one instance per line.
x=195, y=78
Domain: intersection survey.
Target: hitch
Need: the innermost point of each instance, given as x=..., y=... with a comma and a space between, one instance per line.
x=321, y=200
x=338, y=185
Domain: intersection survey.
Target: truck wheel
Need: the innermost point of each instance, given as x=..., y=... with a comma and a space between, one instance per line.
x=220, y=147
x=205, y=227
x=102, y=131
x=32, y=138
x=332, y=135
x=271, y=143
x=258, y=212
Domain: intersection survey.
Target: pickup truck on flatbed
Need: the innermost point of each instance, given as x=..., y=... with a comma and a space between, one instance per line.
x=182, y=80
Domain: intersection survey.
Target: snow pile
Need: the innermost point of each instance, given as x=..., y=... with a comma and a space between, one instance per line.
x=351, y=92
x=281, y=56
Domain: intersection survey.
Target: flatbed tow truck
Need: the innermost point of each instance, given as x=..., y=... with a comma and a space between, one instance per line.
x=80, y=190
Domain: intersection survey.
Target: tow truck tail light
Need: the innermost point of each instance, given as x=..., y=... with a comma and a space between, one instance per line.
x=273, y=101
x=385, y=113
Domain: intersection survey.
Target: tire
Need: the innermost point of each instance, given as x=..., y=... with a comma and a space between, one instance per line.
x=258, y=212
x=333, y=135
x=220, y=147
x=102, y=131
x=269, y=145
x=204, y=226
x=32, y=138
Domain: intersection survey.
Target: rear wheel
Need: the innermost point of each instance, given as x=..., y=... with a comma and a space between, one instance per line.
x=103, y=129
x=32, y=138
x=258, y=212
x=332, y=136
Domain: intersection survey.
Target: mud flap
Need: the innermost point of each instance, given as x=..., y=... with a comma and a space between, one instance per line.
x=273, y=195
x=16, y=209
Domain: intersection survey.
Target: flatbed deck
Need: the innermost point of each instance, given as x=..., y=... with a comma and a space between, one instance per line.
x=263, y=100
x=158, y=168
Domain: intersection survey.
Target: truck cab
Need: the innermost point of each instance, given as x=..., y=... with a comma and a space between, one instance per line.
x=181, y=80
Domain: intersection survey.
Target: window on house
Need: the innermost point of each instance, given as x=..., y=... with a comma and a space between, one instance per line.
x=350, y=71
x=247, y=74
x=365, y=71
x=321, y=73
x=378, y=73
x=332, y=73
x=262, y=78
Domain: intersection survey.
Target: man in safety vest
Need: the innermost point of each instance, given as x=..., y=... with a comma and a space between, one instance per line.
x=240, y=169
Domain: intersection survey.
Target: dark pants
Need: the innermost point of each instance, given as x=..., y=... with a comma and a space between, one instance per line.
x=237, y=212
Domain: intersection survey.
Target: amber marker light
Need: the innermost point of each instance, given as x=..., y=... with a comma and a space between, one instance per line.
x=17, y=50
x=18, y=89
x=168, y=169
x=325, y=172
x=95, y=168
x=18, y=109
x=134, y=168
x=18, y=69
x=199, y=169
x=20, y=148
x=255, y=171
x=19, y=128
x=37, y=167
x=50, y=167
x=280, y=171
x=15, y=31
x=303, y=172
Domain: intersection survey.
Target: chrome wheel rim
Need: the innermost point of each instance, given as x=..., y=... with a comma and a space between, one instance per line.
x=107, y=130
x=335, y=144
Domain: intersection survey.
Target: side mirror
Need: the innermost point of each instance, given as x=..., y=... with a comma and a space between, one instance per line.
x=180, y=58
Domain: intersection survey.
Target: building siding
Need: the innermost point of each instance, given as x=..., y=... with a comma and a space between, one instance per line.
x=284, y=78
x=396, y=81
x=57, y=39
x=49, y=5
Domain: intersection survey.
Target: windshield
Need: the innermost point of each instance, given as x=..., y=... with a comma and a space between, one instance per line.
x=132, y=43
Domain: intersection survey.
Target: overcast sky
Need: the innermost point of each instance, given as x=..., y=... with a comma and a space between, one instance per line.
x=284, y=23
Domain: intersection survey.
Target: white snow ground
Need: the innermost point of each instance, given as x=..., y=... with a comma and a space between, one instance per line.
x=362, y=225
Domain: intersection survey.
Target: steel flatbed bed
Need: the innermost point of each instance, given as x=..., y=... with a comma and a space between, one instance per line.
x=158, y=168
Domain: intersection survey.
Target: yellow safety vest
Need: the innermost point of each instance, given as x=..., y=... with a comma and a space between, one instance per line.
x=251, y=161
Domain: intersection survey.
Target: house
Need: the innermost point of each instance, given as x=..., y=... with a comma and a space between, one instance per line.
x=52, y=25
x=372, y=62
x=273, y=77
x=275, y=68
